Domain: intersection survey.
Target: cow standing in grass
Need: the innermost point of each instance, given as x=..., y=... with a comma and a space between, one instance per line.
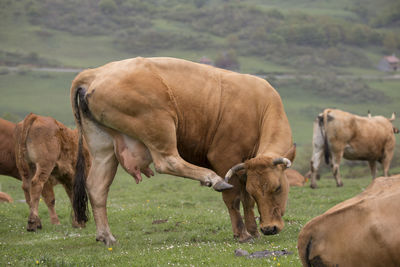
x=193, y=121
x=46, y=153
x=361, y=231
x=8, y=165
x=340, y=134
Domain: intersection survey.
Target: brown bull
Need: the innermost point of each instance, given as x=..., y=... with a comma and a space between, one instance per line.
x=46, y=153
x=8, y=164
x=340, y=134
x=193, y=121
x=362, y=231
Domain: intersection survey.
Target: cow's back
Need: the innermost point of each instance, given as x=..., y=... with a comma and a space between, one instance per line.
x=361, y=231
x=207, y=104
x=7, y=149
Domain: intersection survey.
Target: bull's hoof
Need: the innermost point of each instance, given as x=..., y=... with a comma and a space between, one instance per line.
x=339, y=184
x=246, y=239
x=222, y=185
x=33, y=225
x=107, y=240
x=313, y=186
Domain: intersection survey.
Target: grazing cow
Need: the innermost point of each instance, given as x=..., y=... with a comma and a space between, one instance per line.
x=361, y=231
x=295, y=178
x=340, y=134
x=193, y=121
x=46, y=153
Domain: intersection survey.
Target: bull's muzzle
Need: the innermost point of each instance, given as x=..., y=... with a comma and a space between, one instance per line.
x=270, y=230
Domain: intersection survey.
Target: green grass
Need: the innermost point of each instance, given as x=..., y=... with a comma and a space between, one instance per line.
x=197, y=233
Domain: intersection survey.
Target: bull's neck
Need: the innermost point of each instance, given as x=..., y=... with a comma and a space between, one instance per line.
x=276, y=135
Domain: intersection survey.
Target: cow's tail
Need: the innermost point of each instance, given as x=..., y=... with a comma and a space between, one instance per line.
x=304, y=248
x=327, y=152
x=21, y=135
x=80, y=199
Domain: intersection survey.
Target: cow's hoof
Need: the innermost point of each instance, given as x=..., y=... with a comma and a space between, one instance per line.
x=246, y=239
x=33, y=225
x=339, y=185
x=222, y=185
x=107, y=240
x=313, y=186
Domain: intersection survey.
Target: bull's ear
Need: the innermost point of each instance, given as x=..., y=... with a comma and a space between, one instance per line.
x=291, y=154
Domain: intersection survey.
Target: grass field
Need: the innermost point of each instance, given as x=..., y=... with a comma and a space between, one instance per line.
x=196, y=231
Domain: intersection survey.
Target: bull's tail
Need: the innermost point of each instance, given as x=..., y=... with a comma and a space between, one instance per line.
x=80, y=199
x=327, y=152
x=21, y=135
x=304, y=248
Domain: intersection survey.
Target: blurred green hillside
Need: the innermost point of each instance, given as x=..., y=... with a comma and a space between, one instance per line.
x=316, y=53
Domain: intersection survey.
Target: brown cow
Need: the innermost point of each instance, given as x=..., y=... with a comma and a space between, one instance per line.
x=362, y=231
x=193, y=121
x=340, y=134
x=5, y=198
x=46, y=153
x=295, y=178
x=8, y=164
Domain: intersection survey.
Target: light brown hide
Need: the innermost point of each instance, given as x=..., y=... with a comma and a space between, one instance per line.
x=46, y=153
x=362, y=231
x=354, y=138
x=5, y=197
x=196, y=121
x=295, y=178
x=8, y=164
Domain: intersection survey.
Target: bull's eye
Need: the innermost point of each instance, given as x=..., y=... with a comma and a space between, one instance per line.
x=278, y=189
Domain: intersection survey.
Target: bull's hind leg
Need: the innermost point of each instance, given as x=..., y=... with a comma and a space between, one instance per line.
x=50, y=200
x=337, y=156
x=100, y=177
x=39, y=179
x=372, y=166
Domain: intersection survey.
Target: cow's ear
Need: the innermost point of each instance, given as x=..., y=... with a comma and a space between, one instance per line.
x=291, y=154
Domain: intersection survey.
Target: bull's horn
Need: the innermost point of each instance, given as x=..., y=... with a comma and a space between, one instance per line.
x=233, y=170
x=285, y=161
x=393, y=116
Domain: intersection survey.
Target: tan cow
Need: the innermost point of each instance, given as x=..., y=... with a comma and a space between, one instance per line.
x=340, y=134
x=295, y=178
x=46, y=153
x=193, y=121
x=8, y=164
x=5, y=197
x=362, y=231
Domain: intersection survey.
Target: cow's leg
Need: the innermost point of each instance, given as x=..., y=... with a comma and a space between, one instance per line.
x=50, y=200
x=39, y=179
x=232, y=202
x=336, y=158
x=386, y=163
x=249, y=217
x=314, y=166
x=100, y=176
x=160, y=139
x=372, y=166
x=69, y=191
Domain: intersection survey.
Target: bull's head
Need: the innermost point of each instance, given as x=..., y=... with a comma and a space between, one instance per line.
x=266, y=182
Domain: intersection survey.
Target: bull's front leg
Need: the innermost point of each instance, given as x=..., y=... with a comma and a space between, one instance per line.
x=175, y=165
x=101, y=176
x=232, y=202
x=249, y=217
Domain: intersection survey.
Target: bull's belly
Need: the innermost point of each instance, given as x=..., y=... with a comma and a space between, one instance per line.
x=352, y=153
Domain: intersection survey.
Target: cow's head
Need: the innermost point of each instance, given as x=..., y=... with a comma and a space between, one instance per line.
x=266, y=182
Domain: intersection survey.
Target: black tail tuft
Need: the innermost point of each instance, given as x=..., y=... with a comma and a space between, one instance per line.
x=80, y=200
x=327, y=152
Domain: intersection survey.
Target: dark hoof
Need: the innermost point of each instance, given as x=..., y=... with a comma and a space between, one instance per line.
x=340, y=185
x=221, y=186
x=313, y=186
